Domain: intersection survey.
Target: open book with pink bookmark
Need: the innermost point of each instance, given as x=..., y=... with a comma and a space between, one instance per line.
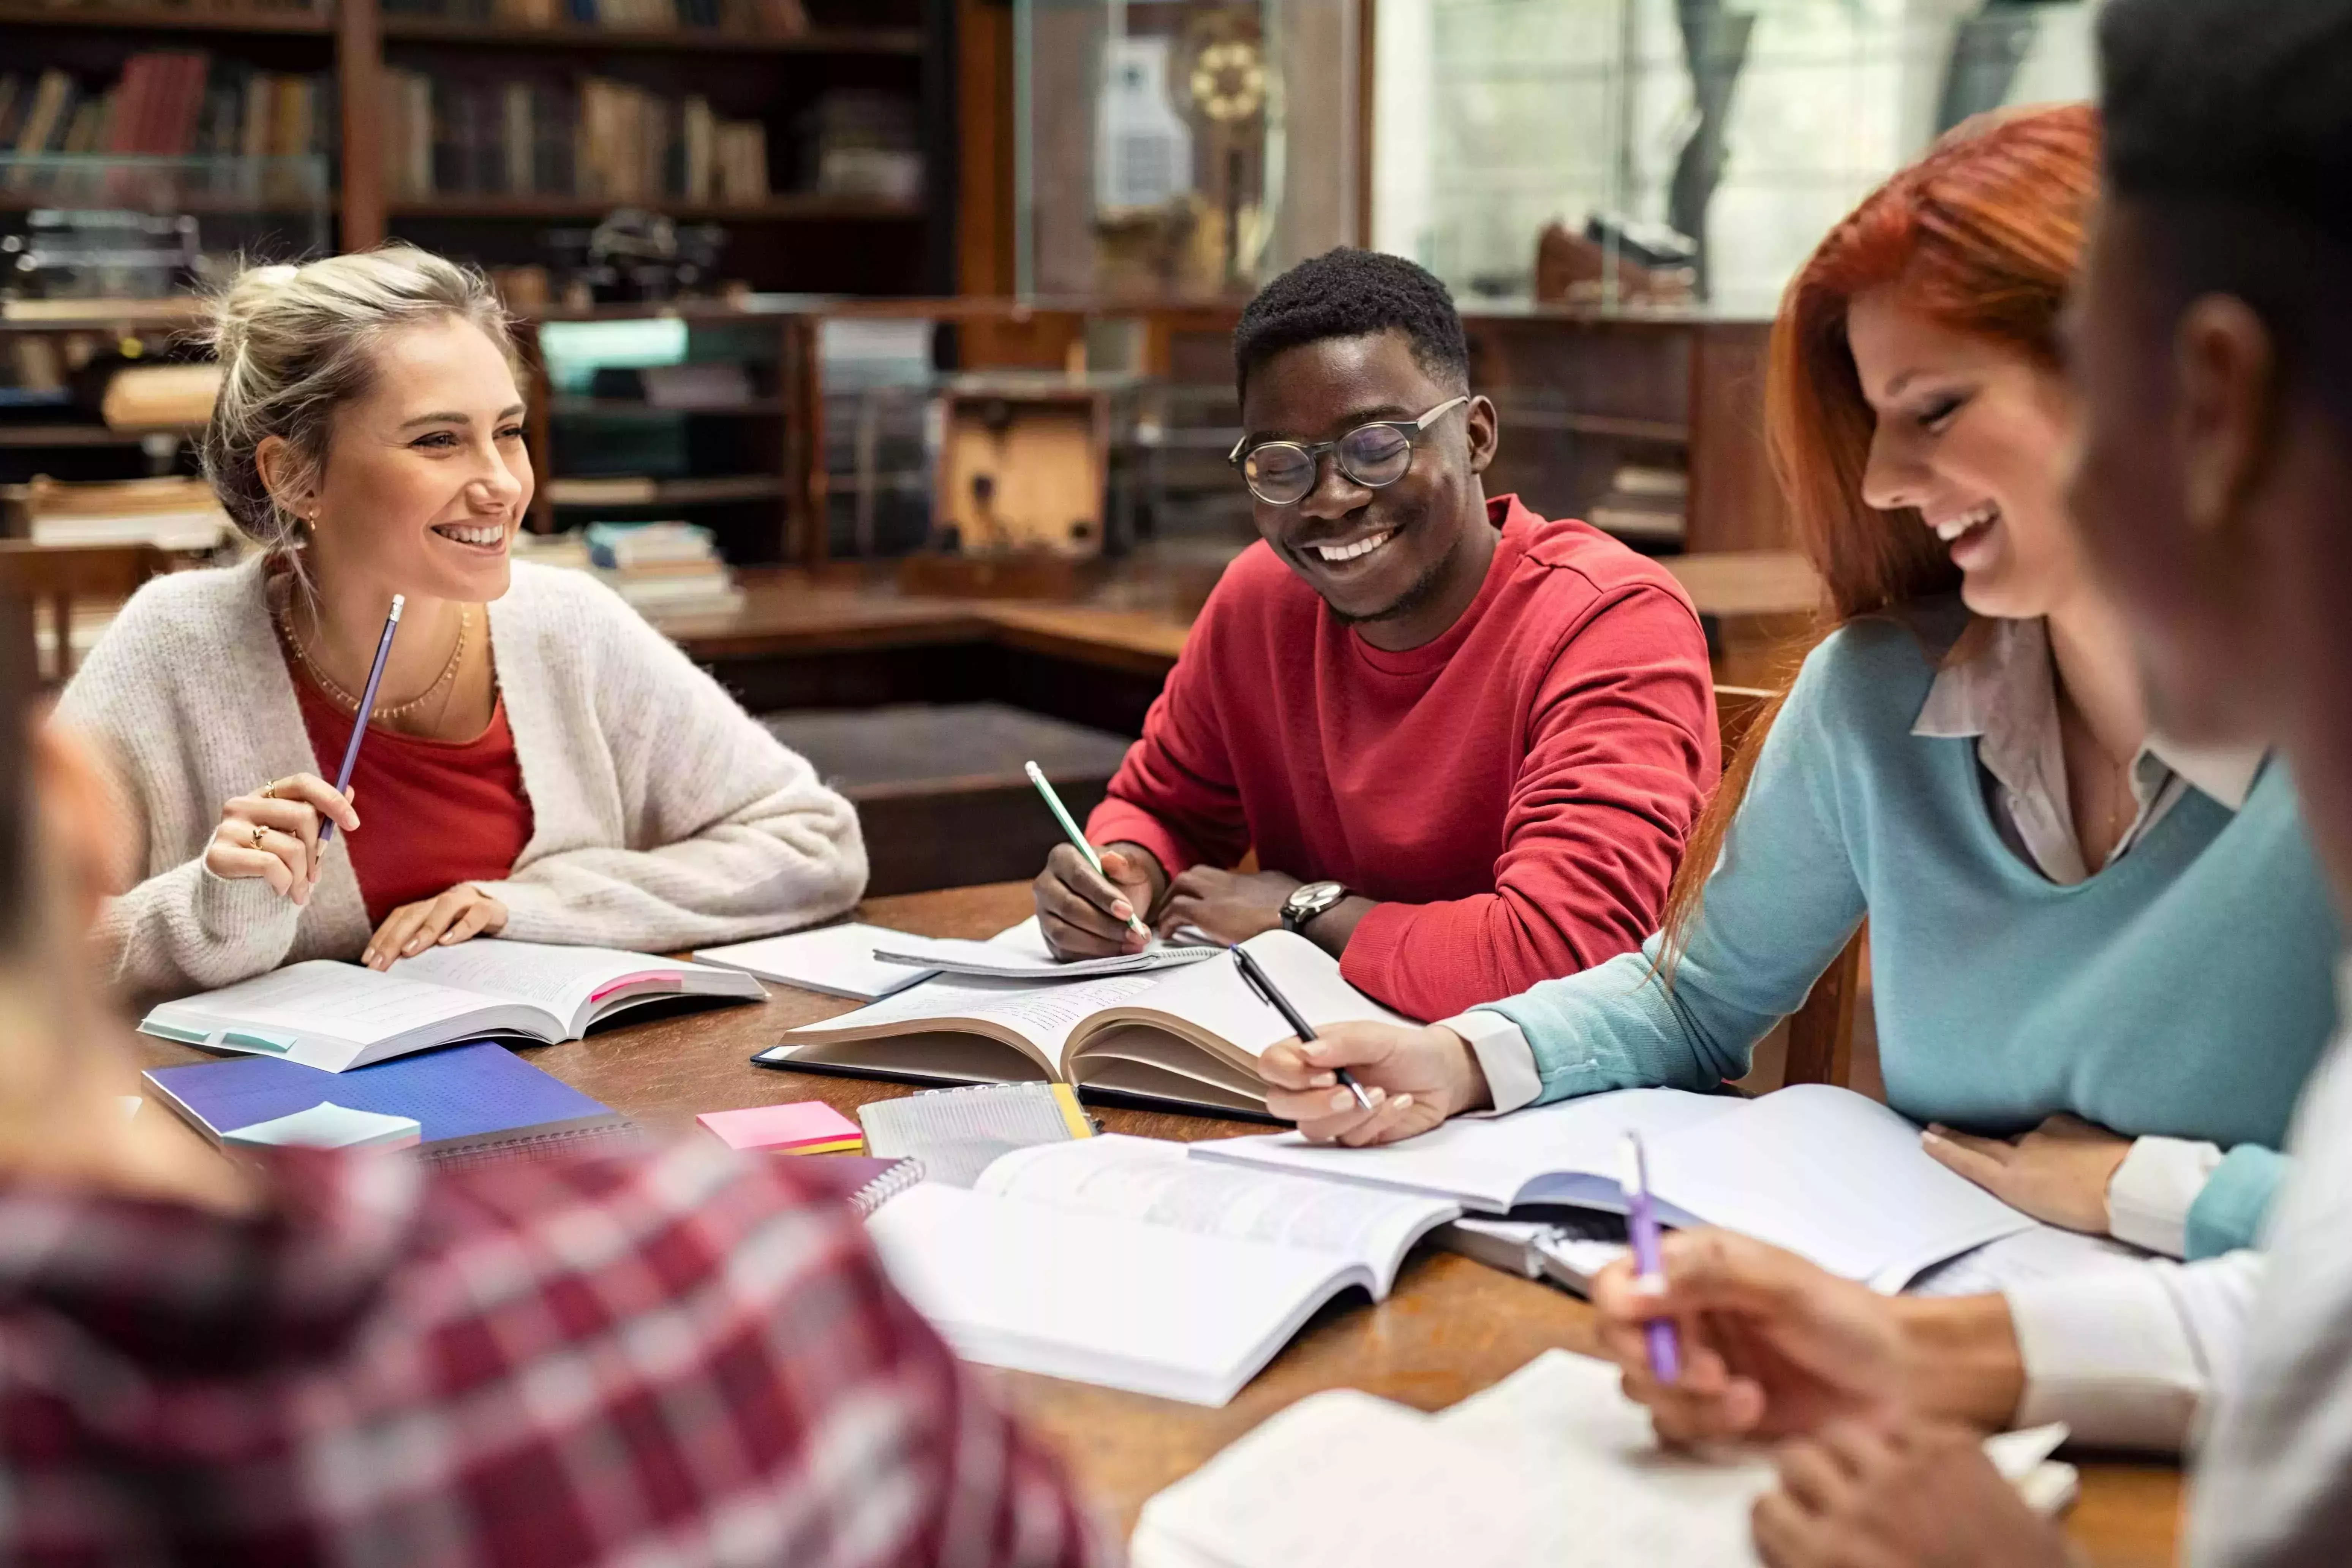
x=335, y=1016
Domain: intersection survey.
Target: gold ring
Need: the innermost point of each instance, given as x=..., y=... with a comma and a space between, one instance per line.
x=269, y=790
x=259, y=833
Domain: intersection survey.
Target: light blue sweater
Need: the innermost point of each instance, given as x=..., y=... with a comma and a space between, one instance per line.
x=2184, y=990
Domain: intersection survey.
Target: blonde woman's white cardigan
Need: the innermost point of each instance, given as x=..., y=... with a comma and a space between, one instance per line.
x=662, y=814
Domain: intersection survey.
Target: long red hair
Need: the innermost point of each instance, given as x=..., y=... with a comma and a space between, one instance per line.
x=1981, y=236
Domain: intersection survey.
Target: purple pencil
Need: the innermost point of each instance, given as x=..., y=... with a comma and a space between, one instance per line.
x=367, y=706
x=1641, y=1228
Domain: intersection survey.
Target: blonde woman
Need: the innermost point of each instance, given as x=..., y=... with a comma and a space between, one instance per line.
x=540, y=763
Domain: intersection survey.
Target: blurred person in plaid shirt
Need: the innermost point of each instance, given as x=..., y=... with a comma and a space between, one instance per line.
x=672, y=1359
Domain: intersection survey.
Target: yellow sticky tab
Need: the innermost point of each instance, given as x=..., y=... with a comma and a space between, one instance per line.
x=1076, y=1119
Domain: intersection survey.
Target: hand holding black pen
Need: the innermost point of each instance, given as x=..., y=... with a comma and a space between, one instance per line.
x=1259, y=981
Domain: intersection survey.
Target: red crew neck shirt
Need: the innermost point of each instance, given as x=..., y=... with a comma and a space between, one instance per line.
x=433, y=814
x=1514, y=793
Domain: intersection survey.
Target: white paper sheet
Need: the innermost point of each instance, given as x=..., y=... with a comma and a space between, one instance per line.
x=838, y=961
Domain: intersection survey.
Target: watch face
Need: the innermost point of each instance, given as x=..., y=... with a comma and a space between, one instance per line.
x=1316, y=897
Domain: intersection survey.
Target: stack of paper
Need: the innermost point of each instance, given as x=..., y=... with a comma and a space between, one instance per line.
x=803, y=1126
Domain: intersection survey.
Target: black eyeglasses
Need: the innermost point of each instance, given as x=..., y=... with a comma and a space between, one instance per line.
x=1281, y=473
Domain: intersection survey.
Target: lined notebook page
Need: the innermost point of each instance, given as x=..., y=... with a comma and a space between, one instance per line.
x=959, y=1132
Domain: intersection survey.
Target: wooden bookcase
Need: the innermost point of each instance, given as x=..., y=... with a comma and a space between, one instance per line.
x=797, y=240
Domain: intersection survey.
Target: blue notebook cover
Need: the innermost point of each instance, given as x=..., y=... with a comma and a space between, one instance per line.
x=467, y=1099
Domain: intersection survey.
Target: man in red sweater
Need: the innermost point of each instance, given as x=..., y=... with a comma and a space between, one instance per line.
x=1465, y=742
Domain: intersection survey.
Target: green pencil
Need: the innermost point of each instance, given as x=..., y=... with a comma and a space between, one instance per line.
x=1061, y=815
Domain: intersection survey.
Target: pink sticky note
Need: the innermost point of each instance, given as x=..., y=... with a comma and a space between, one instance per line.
x=782, y=1128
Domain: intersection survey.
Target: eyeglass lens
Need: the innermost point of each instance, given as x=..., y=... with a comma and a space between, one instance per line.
x=1282, y=472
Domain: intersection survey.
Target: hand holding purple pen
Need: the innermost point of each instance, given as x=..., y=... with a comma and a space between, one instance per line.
x=1641, y=1228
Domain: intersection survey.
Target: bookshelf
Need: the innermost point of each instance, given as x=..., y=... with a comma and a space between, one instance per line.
x=776, y=67
x=770, y=71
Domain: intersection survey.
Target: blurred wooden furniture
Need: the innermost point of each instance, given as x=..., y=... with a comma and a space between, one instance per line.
x=939, y=789
x=1022, y=468
x=1725, y=583
x=56, y=575
x=1451, y=1328
x=805, y=640
x=1820, y=1033
x=840, y=636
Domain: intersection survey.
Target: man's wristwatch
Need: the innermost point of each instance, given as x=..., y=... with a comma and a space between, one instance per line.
x=1305, y=903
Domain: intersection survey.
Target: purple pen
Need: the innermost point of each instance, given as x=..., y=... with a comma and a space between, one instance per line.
x=367, y=706
x=1641, y=1228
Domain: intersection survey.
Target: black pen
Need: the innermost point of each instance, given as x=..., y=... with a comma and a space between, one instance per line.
x=1262, y=982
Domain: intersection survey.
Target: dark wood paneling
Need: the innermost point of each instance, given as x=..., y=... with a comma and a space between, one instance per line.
x=1735, y=503
x=856, y=677
x=984, y=215
x=1101, y=698
x=948, y=833
x=359, y=90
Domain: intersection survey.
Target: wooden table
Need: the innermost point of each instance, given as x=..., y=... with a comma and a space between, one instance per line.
x=1451, y=1328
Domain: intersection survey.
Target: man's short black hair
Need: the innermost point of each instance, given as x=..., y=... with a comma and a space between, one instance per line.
x=2245, y=101
x=1350, y=293
x=2228, y=130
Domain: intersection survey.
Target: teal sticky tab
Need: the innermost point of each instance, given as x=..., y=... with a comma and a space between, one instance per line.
x=174, y=1032
x=276, y=1045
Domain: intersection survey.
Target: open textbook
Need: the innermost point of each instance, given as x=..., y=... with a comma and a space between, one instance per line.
x=1119, y=1261
x=1553, y=1466
x=335, y=1016
x=1823, y=1171
x=1190, y=1035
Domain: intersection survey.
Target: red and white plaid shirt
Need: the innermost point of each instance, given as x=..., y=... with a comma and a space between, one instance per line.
x=678, y=1359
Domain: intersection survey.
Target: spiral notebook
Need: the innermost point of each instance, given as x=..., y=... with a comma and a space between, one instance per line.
x=472, y=1103
x=864, y=1183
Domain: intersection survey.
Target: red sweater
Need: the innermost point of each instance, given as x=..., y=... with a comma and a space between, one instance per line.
x=1514, y=793
x=433, y=814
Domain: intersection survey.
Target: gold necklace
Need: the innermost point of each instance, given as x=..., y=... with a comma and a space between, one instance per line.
x=285, y=619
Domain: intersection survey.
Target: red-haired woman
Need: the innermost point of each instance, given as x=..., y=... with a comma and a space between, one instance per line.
x=2101, y=962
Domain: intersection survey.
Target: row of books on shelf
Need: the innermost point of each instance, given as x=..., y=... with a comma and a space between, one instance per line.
x=171, y=514
x=758, y=18
x=660, y=568
x=597, y=139
x=166, y=103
